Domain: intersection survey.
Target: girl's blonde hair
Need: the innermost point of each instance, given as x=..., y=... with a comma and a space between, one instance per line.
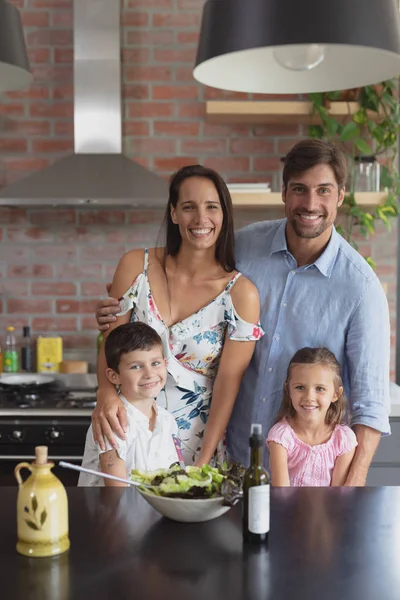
x=316, y=356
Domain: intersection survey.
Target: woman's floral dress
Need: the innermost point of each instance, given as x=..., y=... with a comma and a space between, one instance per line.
x=193, y=349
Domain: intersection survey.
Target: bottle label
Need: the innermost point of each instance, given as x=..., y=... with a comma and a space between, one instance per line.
x=10, y=361
x=259, y=509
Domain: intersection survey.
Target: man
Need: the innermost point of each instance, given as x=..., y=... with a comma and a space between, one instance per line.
x=315, y=290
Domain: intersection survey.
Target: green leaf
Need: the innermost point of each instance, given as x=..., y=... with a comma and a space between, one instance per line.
x=316, y=98
x=34, y=503
x=349, y=131
x=43, y=516
x=32, y=525
x=386, y=179
x=315, y=131
x=332, y=126
x=363, y=147
x=371, y=262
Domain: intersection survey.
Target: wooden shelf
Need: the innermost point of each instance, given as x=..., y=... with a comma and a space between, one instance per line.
x=263, y=199
x=285, y=112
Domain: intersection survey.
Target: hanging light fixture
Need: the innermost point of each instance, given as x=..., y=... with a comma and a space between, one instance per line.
x=297, y=46
x=14, y=65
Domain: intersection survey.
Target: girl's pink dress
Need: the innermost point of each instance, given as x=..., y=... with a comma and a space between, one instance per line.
x=312, y=465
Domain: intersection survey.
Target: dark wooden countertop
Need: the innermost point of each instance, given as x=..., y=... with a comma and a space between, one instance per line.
x=325, y=544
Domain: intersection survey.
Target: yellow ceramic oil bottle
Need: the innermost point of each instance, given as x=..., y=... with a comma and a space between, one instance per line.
x=42, y=509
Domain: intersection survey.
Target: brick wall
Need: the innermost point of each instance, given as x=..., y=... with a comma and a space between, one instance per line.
x=53, y=263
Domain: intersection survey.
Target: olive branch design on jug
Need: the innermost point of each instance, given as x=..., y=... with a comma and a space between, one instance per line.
x=35, y=522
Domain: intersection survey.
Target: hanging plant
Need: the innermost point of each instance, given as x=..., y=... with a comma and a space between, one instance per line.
x=372, y=130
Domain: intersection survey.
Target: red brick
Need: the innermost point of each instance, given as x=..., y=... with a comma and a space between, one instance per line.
x=63, y=55
x=265, y=130
x=27, y=127
x=57, y=324
x=172, y=92
x=44, y=288
x=135, y=128
x=135, y=55
x=35, y=92
x=29, y=234
x=149, y=3
x=203, y=147
x=190, y=4
x=49, y=37
x=285, y=145
x=215, y=94
x=63, y=18
x=178, y=19
x=144, y=38
x=251, y=146
x=191, y=110
x=64, y=128
x=174, y=163
x=131, y=18
x=16, y=321
x=23, y=271
x=13, y=288
x=153, y=217
x=184, y=74
x=59, y=109
x=150, y=109
x=12, y=215
x=153, y=146
x=80, y=342
x=52, y=146
x=53, y=252
x=229, y=164
x=50, y=216
x=109, y=252
x=29, y=307
x=76, y=306
x=148, y=74
x=101, y=217
x=117, y=237
x=109, y=271
x=51, y=3
x=63, y=92
x=12, y=109
x=178, y=128
x=187, y=37
x=187, y=55
x=93, y=289
x=137, y=91
x=38, y=55
x=13, y=145
x=34, y=18
x=270, y=163
x=25, y=164
x=81, y=271
x=52, y=73
x=90, y=322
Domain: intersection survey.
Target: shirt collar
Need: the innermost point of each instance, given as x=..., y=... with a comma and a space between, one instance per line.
x=324, y=263
x=139, y=416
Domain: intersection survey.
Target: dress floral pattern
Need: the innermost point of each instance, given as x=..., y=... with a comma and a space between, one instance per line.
x=193, y=350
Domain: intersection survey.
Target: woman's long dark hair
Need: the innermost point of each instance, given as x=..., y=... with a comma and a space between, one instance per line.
x=316, y=356
x=225, y=247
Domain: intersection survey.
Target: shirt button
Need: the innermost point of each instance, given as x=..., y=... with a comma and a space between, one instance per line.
x=293, y=272
x=264, y=399
x=270, y=369
x=284, y=304
x=277, y=337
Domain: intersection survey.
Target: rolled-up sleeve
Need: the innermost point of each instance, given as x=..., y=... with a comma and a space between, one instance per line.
x=368, y=360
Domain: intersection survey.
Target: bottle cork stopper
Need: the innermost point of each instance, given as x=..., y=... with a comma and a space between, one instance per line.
x=41, y=455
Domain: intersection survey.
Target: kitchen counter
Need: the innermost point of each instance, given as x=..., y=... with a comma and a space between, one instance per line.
x=330, y=543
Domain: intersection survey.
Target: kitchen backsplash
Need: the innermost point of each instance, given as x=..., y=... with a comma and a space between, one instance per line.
x=54, y=262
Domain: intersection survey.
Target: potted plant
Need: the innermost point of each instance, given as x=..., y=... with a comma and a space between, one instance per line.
x=372, y=130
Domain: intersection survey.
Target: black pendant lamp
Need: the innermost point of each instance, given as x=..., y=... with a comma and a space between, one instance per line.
x=14, y=65
x=297, y=46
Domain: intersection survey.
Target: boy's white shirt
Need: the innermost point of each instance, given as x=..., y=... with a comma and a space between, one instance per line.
x=142, y=449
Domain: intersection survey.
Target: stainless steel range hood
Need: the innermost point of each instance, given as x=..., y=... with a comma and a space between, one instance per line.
x=97, y=173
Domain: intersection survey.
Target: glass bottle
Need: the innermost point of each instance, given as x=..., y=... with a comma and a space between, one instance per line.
x=256, y=491
x=10, y=355
x=366, y=174
x=26, y=350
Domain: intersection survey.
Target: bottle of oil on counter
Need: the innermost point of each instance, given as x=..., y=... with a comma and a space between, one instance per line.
x=256, y=491
x=10, y=353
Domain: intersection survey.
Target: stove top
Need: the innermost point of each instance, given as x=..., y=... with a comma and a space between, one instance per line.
x=47, y=399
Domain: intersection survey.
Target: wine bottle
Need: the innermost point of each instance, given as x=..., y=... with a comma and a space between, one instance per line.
x=256, y=491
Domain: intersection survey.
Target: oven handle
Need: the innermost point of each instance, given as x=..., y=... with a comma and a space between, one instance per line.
x=32, y=457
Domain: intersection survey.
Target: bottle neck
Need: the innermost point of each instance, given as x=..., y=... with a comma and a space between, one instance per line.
x=257, y=455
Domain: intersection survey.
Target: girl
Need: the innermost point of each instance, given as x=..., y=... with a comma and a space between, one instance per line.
x=309, y=445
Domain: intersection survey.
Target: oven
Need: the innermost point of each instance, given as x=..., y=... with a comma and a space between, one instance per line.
x=57, y=416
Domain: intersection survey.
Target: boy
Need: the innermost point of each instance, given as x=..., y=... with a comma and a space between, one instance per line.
x=136, y=365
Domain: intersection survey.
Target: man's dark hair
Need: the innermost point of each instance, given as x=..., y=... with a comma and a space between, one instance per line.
x=128, y=338
x=309, y=153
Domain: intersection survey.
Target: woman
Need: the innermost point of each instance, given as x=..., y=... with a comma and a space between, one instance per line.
x=206, y=313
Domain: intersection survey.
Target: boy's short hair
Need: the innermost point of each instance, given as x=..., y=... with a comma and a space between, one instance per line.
x=128, y=338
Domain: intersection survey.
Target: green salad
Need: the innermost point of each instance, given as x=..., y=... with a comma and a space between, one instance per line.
x=192, y=482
